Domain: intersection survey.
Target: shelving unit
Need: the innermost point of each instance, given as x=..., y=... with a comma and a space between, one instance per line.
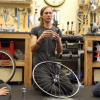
x=88, y=43
x=71, y=52
x=88, y=63
x=16, y=3
x=27, y=62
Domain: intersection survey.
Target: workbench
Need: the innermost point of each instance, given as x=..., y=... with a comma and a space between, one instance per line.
x=27, y=62
x=88, y=63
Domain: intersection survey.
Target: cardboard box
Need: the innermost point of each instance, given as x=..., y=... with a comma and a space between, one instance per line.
x=96, y=75
x=18, y=76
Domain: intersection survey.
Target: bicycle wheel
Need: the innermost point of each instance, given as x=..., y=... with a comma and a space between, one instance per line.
x=7, y=66
x=55, y=79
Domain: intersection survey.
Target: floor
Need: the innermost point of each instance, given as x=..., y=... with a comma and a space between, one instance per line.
x=31, y=94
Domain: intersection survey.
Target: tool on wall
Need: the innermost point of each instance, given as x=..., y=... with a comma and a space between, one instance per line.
x=86, y=19
x=1, y=11
x=29, y=10
x=15, y=18
x=93, y=25
x=67, y=26
x=21, y=17
x=63, y=31
x=87, y=15
x=13, y=12
x=5, y=14
x=98, y=18
x=94, y=17
x=79, y=19
x=80, y=23
x=83, y=19
x=91, y=14
x=81, y=1
x=18, y=19
x=8, y=18
x=71, y=25
x=24, y=13
x=34, y=20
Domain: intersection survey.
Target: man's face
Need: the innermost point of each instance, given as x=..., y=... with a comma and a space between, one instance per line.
x=47, y=15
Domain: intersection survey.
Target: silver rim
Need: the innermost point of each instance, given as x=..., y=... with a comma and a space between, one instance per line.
x=58, y=81
x=7, y=66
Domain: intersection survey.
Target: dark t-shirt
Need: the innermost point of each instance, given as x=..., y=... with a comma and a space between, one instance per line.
x=46, y=51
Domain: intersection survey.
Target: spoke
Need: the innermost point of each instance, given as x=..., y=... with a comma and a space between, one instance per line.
x=44, y=83
x=46, y=86
x=64, y=89
x=51, y=88
x=66, y=84
x=43, y=72
x=51, y=68
x=46, y=69
x=63, y=77
x=44, y=76
x=41, y=80
x=69, y=87
x=54, y=88
x=60, y=88
x=4, y=56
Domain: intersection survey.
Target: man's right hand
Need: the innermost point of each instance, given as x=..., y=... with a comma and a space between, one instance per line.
x=46, y=33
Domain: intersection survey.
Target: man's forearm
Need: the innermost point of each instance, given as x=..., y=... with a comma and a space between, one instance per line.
x=59, y=46
x=34, y=47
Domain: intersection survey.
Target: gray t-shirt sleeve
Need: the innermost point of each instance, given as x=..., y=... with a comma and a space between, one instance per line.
x=34, y=31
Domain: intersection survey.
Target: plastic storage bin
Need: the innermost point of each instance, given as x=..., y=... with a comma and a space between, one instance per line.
x=9, y=49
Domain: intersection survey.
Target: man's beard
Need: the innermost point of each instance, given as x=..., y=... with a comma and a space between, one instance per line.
x=47, y=21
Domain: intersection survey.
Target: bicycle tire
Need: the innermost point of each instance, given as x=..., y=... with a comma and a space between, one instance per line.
x=7, y=66
x=45, y=77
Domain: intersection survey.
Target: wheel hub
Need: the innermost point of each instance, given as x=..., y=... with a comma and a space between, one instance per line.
x=56, y=78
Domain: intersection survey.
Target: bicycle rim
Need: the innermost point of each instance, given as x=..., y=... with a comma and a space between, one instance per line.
x=7, y=66
x=55, y=79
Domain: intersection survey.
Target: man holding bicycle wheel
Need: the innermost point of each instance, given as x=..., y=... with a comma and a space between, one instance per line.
x=45, y=38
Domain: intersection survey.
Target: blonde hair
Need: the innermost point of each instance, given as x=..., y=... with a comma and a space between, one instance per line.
x=41, y=19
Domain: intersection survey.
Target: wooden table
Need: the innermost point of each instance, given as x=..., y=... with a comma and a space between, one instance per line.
x=27, y=62
x=88, y=63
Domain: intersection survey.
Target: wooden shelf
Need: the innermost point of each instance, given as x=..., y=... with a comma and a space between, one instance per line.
x=83, y=5
x=20, y=63
x=96, y=64
x=97, y=10
x=16, y=2
x=23, y=4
